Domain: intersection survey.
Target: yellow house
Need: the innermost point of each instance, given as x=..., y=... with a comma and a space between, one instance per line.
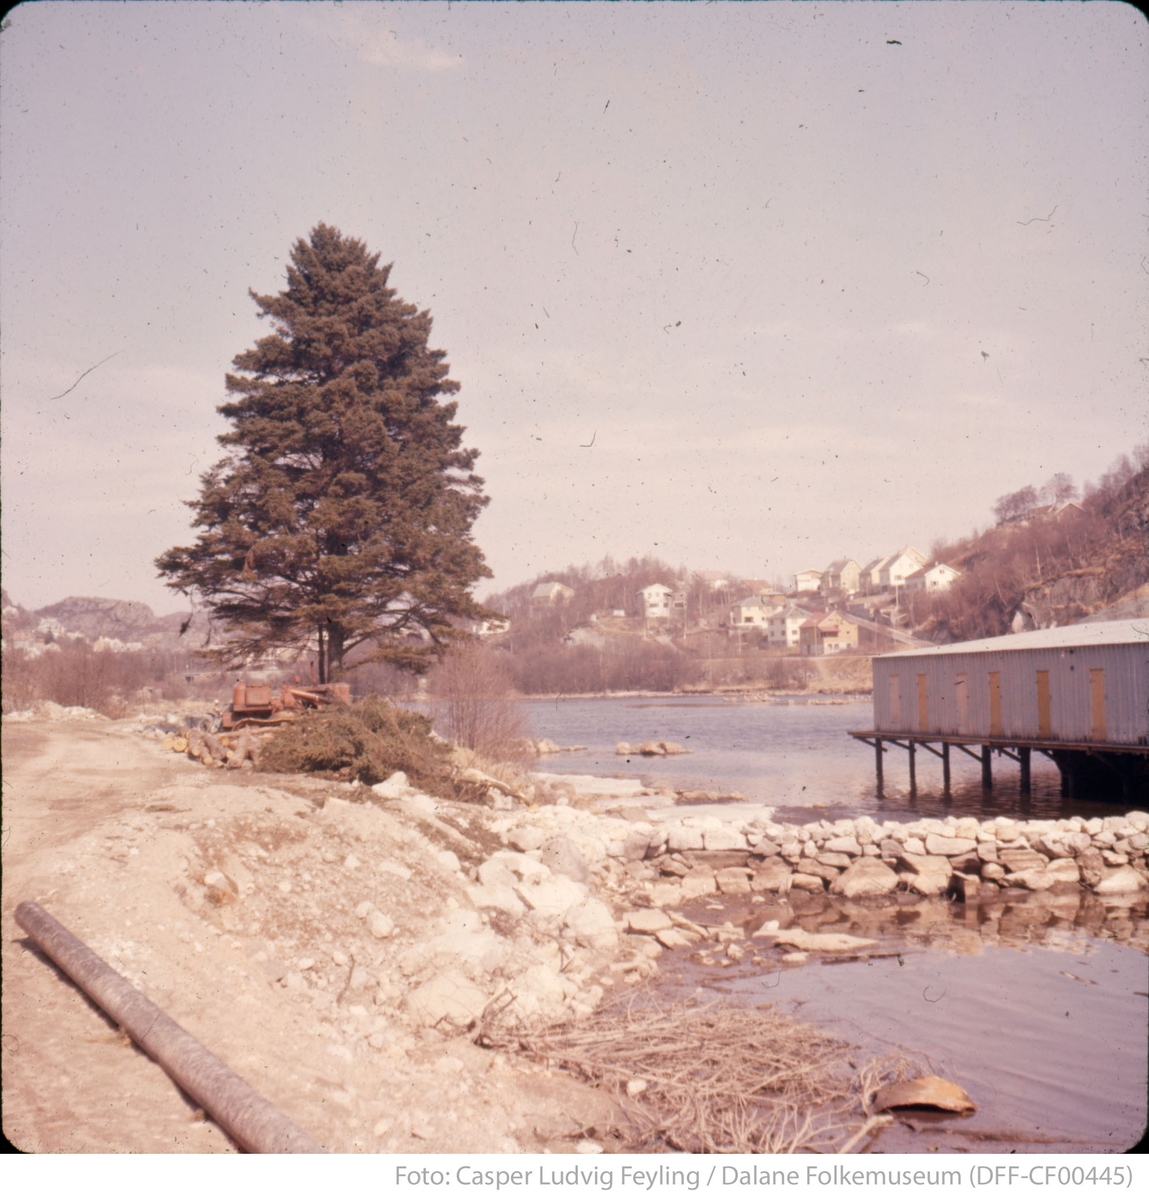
x=827, y=633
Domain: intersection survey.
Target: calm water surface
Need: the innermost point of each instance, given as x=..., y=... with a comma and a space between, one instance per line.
x=793, y=755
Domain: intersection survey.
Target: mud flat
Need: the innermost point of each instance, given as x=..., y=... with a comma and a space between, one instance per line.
x=342, y=946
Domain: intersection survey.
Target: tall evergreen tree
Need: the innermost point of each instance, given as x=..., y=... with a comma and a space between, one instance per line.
x=342, y=513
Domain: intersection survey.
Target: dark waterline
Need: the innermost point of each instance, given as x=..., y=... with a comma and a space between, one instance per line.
x=795, y=756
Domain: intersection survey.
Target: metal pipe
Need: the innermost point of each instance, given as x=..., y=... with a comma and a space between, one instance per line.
x=255, y=1123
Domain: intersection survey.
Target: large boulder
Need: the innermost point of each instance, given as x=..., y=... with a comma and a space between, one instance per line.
x=723, y=838
x=772, y=876
x=591, y=923
x=1121, y=881
x=928, y=875
x=551, y=897
x=683, y=837
x=449, y=998
x=843, y=845
x=563, y=857
x=733, y=880
x=647, y=920
x=867, y=877
x=496, y=896
x=949, y=847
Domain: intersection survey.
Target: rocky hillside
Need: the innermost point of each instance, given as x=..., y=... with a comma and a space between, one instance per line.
x=127, y=624
x=1086, y=562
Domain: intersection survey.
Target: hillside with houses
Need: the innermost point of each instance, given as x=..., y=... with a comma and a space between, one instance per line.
x=1052, y=557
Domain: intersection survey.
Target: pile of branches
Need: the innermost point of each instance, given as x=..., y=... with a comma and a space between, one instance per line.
x=367, y=741
x=715, y=1078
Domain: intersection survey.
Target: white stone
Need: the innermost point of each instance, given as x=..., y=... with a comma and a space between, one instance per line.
x=683, y=837
x=867, y=877
x=723, y=838
x=1124, y=879
x=833, y=942
x=526, y=837
x=647, y=920
x=393, y=787
x=379, y=924
x=449, y=859
x=843, y=845
x=591, y=923
x=551, y=897
x=947, y=847
x=449, y=997
x=495, y=895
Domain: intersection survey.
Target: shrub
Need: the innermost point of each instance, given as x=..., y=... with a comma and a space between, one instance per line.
x=473, y=704
x=367, y=741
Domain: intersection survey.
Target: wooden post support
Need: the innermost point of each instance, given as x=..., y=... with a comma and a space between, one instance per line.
x=1023, y=759
x=986, y=769
x=946, y=768
x=913, y=768
x=878, y=752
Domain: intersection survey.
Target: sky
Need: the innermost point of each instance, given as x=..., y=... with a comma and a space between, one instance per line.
x=749, y=287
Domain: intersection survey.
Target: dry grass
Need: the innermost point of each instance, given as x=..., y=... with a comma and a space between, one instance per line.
x=719, y=1078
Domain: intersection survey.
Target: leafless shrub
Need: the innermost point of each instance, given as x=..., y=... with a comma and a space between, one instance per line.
x=72, y=673
x=473, y=704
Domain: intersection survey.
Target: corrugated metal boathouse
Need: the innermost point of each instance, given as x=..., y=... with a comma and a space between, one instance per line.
x=1078, y=694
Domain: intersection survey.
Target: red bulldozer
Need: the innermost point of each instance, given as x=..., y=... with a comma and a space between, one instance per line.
x=256, y=704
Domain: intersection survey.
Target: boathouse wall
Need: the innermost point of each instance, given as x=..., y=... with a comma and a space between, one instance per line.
x=1086, y=683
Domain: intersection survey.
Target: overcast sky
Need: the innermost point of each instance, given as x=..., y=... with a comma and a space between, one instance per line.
x=746, y=286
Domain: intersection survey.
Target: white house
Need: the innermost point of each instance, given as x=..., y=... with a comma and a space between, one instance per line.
x=932, y=579
x=656, y=600
x=550, y=593
x=782, y=626
x=807, y=581
x=893, y=573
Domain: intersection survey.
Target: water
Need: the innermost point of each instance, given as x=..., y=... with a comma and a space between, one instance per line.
x=1036, y=1004
x=795, y=756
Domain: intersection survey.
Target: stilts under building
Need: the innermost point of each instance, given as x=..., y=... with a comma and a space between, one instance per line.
x=1078, y=694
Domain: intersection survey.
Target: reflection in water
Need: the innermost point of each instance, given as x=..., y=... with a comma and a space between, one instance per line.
x=1062, y=921
x=1036, y=1005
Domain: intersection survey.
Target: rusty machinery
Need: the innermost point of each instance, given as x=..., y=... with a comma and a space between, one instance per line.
x=255, y=704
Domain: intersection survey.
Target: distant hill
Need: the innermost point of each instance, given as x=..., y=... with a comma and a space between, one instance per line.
x=93, y=617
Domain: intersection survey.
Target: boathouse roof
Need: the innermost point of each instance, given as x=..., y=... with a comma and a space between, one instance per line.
x=1098, y=633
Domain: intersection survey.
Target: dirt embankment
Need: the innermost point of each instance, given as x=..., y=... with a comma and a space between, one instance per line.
x=285, y=928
